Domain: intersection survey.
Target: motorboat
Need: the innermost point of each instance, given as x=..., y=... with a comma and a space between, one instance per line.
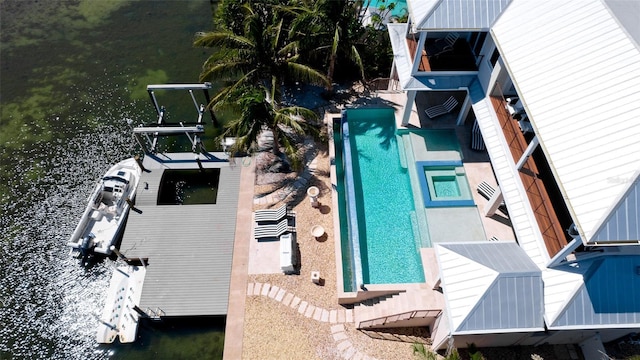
x=106, y=213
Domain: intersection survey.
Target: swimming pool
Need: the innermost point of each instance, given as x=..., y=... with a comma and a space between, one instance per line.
x=383, y=201
x=400, y=6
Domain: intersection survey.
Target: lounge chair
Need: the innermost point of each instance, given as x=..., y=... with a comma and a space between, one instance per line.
x=272, y=230
x=477, y=142
x=444, y=44
x=273, y=215
x=445, y=108
x=487, y=192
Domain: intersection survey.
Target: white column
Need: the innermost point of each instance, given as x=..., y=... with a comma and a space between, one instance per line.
x=408, y=107
x=464, y=111
x=530, y=149
x=494, y=203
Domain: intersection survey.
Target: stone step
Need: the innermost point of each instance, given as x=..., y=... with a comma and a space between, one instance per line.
x=396, y=308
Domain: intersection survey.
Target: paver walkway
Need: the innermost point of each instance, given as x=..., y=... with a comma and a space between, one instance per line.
x=338, y=317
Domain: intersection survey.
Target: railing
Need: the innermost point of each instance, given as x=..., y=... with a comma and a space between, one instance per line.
x=155, y=314
x=408, y=315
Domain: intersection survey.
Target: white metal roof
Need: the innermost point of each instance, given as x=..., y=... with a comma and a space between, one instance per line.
x=490, y=286
x=419, y=10
x=599, y=292
x=471, y=15
x=401, y=57
x=578, y=74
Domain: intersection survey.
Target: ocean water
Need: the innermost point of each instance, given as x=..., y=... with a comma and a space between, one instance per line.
x=73, y=76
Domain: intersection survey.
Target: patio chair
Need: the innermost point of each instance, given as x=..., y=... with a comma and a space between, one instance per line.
x=446, y=43
x=442, y=109
x=487, y=192
x=272, y=230
x=273, y=215
x=477, y=142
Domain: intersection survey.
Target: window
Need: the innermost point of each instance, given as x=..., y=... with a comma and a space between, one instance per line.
x=494, y=57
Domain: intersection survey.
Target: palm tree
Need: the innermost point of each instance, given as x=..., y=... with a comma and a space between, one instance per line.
x=329, y=27
x=258, y=111
x=259, y=53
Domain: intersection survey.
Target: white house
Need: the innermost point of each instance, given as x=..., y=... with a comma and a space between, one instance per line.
x=574, y=68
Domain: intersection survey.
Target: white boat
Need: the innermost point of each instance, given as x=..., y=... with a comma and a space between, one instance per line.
x=107, y=210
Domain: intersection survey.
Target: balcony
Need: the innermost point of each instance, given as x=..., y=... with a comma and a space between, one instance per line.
x=444, y=54
x=550, y=224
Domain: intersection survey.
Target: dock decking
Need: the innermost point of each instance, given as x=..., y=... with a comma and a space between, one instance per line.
x=189, y=247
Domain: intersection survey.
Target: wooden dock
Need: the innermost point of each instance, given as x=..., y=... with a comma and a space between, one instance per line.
x=188, y=248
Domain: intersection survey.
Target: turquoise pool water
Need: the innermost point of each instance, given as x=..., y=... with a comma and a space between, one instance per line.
x=446, y=186
x=400, y=8
x=384, y=202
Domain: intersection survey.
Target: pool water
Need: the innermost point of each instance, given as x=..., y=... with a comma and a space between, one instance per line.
x=400, y=7
x=384, y=201
x=446, y=186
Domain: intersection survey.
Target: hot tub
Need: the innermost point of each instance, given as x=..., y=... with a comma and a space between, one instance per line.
x=444, y=184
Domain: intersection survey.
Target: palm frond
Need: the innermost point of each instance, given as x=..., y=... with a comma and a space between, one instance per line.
x=355, y=57
x=222, y=39
x=224, y=71
x=306, y=73
x=224, y=92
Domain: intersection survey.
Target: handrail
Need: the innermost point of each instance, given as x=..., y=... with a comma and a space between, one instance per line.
x=413, y=315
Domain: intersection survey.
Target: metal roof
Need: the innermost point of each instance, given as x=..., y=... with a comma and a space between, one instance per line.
x=623, y=223
x=419, y=10
x=606, y=297
x=490, y=286
x=470, y=15
x=578, y=75
x=627, y=14
x=189, y=247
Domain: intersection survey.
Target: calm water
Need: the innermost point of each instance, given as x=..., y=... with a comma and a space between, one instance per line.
x=72, y=74
x=388, y=250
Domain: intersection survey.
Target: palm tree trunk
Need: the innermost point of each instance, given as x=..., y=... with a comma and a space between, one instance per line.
x=332, y=58
x=276, y=142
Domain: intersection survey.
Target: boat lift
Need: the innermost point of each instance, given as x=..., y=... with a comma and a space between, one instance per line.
x=147, y=136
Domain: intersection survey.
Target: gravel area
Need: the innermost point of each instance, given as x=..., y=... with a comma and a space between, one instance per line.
x=273, y=330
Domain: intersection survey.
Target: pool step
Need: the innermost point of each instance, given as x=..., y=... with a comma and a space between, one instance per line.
x=401, y=152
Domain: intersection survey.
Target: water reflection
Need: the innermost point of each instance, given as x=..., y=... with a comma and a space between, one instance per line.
x=71, y=75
